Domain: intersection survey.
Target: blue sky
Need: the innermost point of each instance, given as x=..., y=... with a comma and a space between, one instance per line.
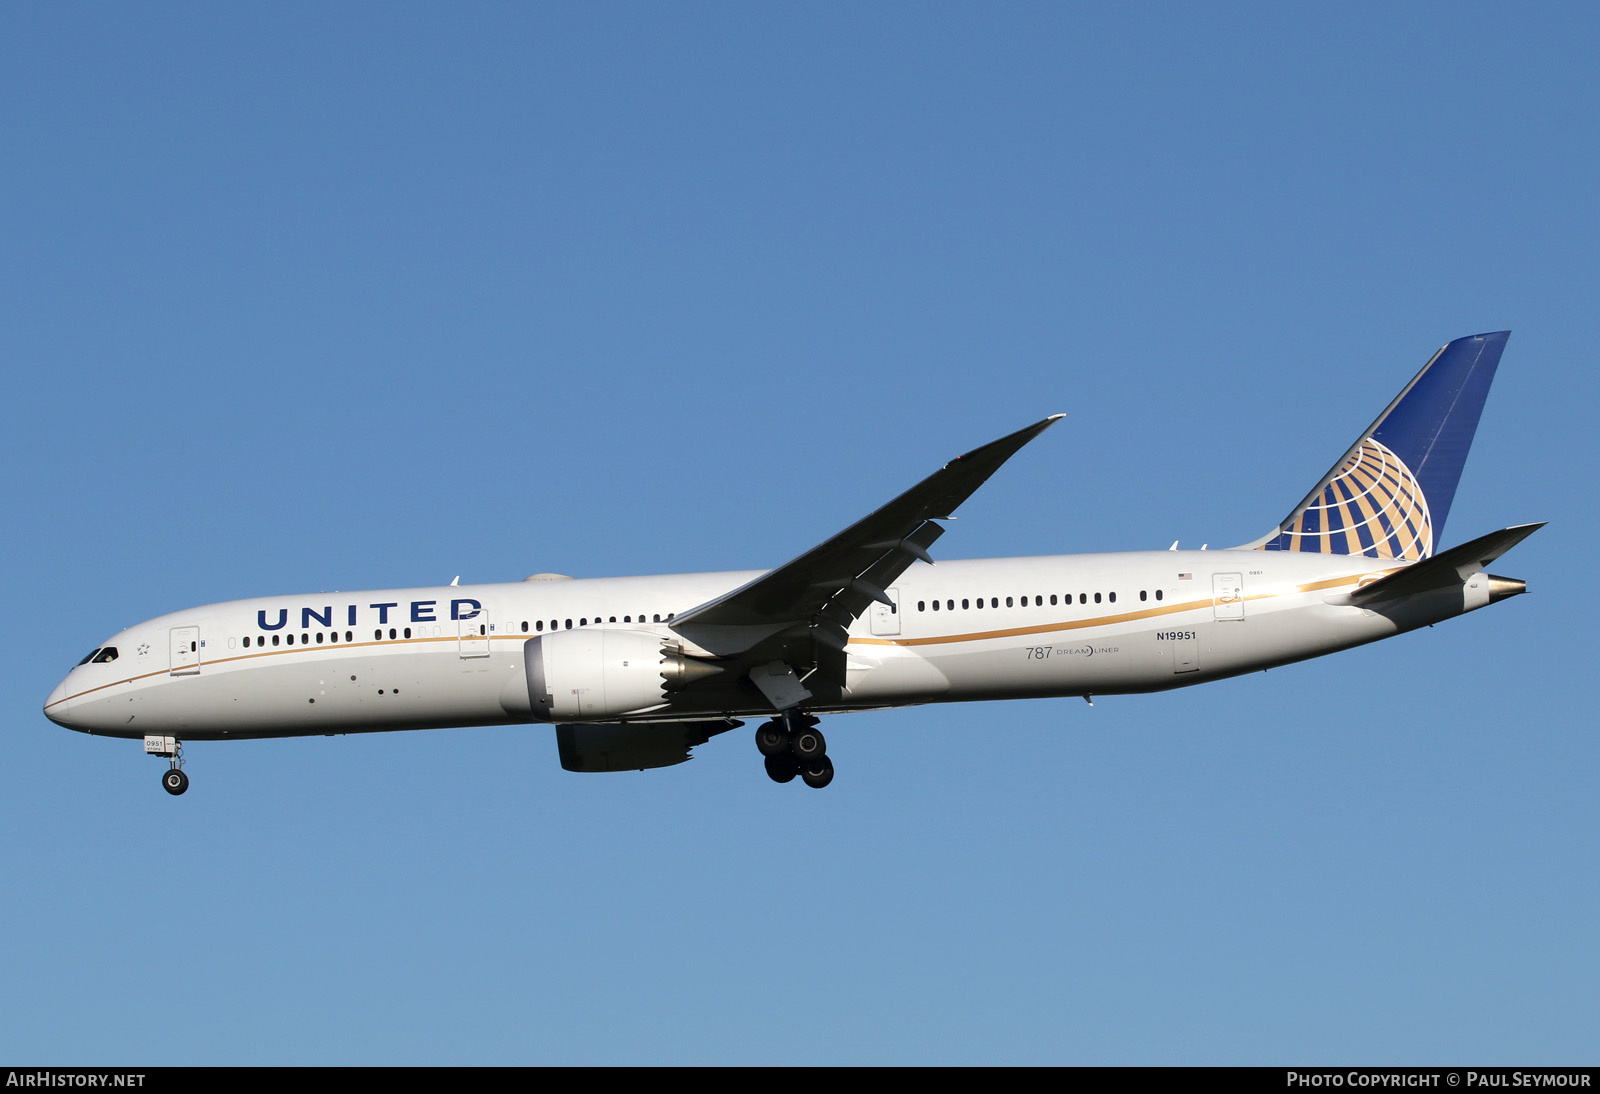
x=303, y=297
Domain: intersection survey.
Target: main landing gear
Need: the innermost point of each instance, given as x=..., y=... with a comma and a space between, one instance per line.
x=173, y=781
x=793, y=745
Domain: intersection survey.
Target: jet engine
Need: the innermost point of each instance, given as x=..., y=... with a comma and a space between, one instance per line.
x=599, y=673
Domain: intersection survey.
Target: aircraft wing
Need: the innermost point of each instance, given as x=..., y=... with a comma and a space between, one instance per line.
x=813, y=599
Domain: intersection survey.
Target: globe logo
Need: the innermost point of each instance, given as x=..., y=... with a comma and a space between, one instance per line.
x=1373, y=506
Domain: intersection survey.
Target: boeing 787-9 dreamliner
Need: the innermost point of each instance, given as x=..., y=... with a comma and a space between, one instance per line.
x=633, y=672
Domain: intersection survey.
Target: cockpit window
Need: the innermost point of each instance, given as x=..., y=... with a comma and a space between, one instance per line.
x=106, y=656
x=89, y=656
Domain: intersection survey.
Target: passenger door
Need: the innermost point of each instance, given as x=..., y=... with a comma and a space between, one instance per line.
x=1227, y=596
x=185, y=651
x=475, y=635
x=885, y=618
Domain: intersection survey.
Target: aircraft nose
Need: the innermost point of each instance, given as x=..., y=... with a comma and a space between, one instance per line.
x=56, y=707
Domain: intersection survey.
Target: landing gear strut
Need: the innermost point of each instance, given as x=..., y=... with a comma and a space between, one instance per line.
x=173, y=781
x=793, y=745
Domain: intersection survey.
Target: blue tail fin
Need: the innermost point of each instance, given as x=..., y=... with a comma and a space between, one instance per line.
x=1389, y=495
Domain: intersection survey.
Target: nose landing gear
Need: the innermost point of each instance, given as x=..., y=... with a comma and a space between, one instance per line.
x=793, y=745
x=173, y=781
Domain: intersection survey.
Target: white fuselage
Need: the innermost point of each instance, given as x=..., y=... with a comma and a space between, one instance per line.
x=1062, y=625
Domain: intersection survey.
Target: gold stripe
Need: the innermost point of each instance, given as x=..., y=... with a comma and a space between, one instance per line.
x=273, y=653
x=1099, y=621
x=975, y=636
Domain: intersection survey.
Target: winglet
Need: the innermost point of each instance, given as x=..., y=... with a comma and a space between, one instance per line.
x=981, y=462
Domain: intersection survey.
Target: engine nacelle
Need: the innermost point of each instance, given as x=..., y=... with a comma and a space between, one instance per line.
x=633, y=747
x=595, y=673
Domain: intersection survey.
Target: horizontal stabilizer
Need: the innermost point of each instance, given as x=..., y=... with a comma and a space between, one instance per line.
x=1445, y=569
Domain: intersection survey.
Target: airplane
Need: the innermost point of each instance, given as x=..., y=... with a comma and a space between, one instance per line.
x=635, y=672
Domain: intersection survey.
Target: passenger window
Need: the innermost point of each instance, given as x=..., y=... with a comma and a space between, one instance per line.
x=1008, y=603
x=965, y=605
x=274, y=640
x=922, y=606
x=1097, y=598
x=1052, y=600
x=935, y=605
x=1158, y=594
x=1113, y=597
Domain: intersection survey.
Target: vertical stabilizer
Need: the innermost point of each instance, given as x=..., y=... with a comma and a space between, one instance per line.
x=1388, y=496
